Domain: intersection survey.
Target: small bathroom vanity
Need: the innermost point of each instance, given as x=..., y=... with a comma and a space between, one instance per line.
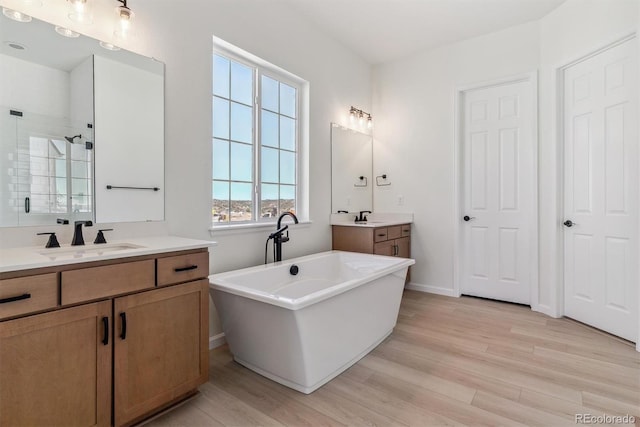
x=102, y=336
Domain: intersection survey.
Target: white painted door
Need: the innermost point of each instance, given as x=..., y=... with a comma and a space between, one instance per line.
x=498, y=192
x=601, y=191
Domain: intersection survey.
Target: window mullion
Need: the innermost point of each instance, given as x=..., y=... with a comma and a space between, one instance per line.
x=257, y=193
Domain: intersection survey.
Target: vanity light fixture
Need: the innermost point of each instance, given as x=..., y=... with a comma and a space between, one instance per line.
x=15, y=15
x=66, y=32
x=361, y=116
x=80, y=11
x=125, y=16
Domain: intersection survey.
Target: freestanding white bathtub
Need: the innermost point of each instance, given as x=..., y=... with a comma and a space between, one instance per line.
x=303, y=330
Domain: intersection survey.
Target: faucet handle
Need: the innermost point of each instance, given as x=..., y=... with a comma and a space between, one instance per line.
x=62, y=221
x=100, y=237
x=53, y=240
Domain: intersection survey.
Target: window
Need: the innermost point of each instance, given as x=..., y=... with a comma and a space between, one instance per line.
x=256, y=141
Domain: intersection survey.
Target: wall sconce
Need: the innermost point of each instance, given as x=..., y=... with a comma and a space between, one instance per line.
x=361, y=116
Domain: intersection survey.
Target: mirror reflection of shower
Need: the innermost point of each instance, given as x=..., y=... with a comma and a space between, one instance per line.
x=71, y=139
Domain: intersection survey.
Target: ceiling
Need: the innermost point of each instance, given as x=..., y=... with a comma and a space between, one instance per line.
x=385, y=30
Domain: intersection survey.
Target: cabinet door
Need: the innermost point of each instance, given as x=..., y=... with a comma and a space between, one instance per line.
x=385, y=248
x=404, y=247
x=160, y=347
x=55, y=368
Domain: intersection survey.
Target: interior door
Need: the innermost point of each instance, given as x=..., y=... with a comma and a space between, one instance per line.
x=601, y=191
x=497, y=193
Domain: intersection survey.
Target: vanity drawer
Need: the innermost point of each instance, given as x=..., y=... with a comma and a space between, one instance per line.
x=88, y=284
x=182, y=268
x=380, y=235
x=406, y=230
x=394, y=232
x=28, y=294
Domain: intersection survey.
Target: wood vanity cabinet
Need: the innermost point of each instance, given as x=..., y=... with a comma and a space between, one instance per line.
x=393, y=240
x=115, y=346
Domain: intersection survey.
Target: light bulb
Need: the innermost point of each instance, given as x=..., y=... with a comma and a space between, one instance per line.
x=361, y=119
x=352, y=115
x=15, y=15
x=80, y=11
x=125, y=16
x=369, y=122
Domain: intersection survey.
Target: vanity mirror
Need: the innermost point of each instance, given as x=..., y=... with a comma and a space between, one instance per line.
x=81, y=129
x=351, y=170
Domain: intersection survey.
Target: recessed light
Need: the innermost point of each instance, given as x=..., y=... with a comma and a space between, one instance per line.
x=66, y=32
x=109, y=46
x=15, y=45
x=15, y=15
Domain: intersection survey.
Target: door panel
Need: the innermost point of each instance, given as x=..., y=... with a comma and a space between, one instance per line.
x=164, y=353
x=601, y=190
x=55, y=369
x=498, y=170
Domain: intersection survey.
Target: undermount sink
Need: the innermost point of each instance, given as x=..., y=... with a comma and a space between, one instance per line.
x=87, y=251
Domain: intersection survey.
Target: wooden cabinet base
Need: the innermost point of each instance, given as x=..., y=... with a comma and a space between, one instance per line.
x=55, y=368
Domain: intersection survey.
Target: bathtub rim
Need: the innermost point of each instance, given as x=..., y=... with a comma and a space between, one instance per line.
x=223, y=282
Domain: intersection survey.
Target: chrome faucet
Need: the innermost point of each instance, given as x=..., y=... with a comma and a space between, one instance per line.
x=77, y=232
x=278, y=238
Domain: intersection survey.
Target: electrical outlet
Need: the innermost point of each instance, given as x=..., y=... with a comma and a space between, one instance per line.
x=400, y=200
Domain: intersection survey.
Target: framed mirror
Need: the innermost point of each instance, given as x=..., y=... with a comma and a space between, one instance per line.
x=351, y=170
x=75, y=119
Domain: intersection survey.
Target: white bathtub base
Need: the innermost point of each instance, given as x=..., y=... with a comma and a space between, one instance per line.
x=308, y=390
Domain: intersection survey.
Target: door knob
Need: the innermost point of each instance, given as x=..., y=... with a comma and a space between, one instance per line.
x=468, y=218
x=569, y=223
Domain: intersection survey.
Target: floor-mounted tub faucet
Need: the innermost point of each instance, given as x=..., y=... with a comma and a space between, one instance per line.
x=278, y=238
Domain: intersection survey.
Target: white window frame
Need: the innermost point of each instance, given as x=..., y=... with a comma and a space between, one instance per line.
x=264, y=68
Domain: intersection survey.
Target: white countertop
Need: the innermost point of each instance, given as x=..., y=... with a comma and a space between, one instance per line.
x=371, y=224
x=374, y=220
x=37, y=257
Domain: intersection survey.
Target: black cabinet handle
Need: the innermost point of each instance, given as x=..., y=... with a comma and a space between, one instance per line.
x=180, y=269
x=381, y=235
x=27, y=205
x=16, y=298
x=123, y=319
x=105, y=323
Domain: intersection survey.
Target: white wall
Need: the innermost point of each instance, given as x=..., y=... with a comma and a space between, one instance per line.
x=414, y=136
x=27, y=86
x=179, y=34
x=574, y=29
x=413, y=106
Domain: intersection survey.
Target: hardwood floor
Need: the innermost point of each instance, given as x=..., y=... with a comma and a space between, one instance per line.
x=449, y=361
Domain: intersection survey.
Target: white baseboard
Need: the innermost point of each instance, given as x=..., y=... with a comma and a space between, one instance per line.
x=430, y=289
x=216, y=341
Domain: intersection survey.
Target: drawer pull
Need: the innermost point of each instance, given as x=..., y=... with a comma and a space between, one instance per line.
x=181, y=269
x=16, y=298
x=105, y=323
x=123, y=319
x=381, y=235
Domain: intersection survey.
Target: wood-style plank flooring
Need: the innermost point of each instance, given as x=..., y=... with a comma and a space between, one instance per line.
x=449, y=361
